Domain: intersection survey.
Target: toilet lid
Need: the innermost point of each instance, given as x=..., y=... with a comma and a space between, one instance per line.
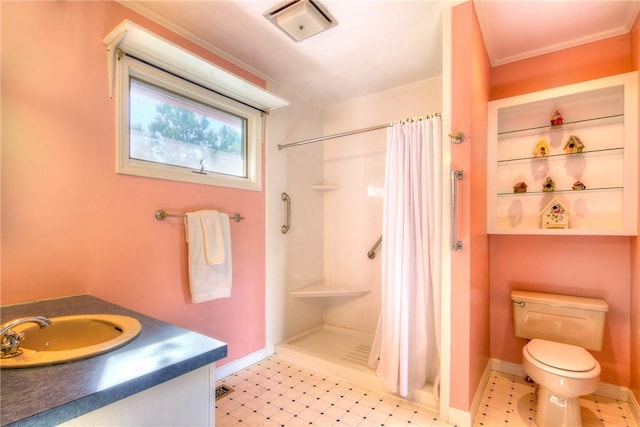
x=561, y=356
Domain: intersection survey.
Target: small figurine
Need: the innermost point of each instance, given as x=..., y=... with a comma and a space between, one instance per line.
x=520, y=187
x=573, y=145
x=542, y=149
x=555, y=215
x=579, y=186
x=556, y=119
x=548, y=185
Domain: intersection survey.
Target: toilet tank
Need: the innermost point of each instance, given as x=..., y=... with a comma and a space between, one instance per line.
x=560, y=318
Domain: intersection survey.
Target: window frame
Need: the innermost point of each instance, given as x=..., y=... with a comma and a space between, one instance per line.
x=131, y=67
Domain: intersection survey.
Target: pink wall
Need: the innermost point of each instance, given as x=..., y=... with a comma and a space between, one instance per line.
x=635, y=255
x=586, y=62
x=470, y=275
x=595, y=267
x=70, y=224
x=548, y=263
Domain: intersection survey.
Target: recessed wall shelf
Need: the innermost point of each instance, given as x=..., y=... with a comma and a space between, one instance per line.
x=324, y=290
x=603, y=114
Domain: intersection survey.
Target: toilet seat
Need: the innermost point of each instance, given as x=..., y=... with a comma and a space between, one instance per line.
x=561, y=356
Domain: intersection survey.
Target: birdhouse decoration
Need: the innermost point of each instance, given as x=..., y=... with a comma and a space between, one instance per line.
x=555, y=215
x=542, y=149
x=574, y=145
x=548, y=185
x=520, y=187
x=578, y=185
x=556, y=119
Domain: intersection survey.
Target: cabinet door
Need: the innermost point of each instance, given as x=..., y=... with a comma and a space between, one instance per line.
x=600, y=114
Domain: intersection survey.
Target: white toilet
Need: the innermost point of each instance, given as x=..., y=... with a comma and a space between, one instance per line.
x=560, y=328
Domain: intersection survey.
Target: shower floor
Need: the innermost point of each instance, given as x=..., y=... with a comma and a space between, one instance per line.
x=342, y=353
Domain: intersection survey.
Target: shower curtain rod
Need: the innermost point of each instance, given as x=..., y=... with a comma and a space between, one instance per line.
x=337, y=135
x=353, y=132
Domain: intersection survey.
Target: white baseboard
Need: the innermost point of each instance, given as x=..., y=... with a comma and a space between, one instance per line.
x=460, y=418
x=508, y=368
x=477, y=399
x=634, y=406
x=613, y=392
x=239, y=364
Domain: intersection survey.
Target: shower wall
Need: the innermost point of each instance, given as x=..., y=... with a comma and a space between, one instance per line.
x=353, y=213
x=294, y=260
x=331, y=231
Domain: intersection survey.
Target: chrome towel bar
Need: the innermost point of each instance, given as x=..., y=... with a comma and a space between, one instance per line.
x=161, y=214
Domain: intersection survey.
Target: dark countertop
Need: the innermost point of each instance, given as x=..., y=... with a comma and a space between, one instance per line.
x=50, y=395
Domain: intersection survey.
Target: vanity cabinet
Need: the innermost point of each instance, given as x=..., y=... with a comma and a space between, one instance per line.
x=187, y=400
x=602, y=115
x=166, y=376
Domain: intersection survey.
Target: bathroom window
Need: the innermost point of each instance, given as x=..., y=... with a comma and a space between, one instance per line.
x=170, y=128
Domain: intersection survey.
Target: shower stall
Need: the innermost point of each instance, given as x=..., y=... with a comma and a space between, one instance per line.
x=324, y=274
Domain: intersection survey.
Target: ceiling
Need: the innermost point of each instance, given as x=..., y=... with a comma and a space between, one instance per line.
x=380, y=44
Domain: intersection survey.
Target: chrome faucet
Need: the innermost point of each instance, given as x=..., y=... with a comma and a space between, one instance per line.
x=10, y=339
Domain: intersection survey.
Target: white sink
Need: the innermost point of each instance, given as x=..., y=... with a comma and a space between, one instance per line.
x=72, y=338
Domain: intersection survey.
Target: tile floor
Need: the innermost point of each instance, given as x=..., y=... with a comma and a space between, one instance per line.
x=274, y=392
x=508, y=400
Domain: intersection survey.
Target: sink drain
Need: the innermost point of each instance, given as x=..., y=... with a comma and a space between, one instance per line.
x=222, y=391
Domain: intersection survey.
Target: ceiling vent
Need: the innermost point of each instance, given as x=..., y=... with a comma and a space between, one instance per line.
x=300, y=19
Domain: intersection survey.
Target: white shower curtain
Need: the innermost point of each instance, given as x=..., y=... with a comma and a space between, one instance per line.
x=407, y=340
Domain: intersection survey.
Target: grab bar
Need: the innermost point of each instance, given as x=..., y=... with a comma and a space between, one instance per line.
x=287, y=225
x=456, y=245
x=372, y=252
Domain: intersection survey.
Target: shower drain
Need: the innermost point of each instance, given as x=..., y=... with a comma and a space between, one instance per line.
x=222, y=391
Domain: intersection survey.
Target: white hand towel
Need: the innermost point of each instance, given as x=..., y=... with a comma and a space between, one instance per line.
x=213, y=237
x=209, y=240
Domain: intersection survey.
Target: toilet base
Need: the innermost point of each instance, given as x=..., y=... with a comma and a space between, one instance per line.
x=555, y=411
